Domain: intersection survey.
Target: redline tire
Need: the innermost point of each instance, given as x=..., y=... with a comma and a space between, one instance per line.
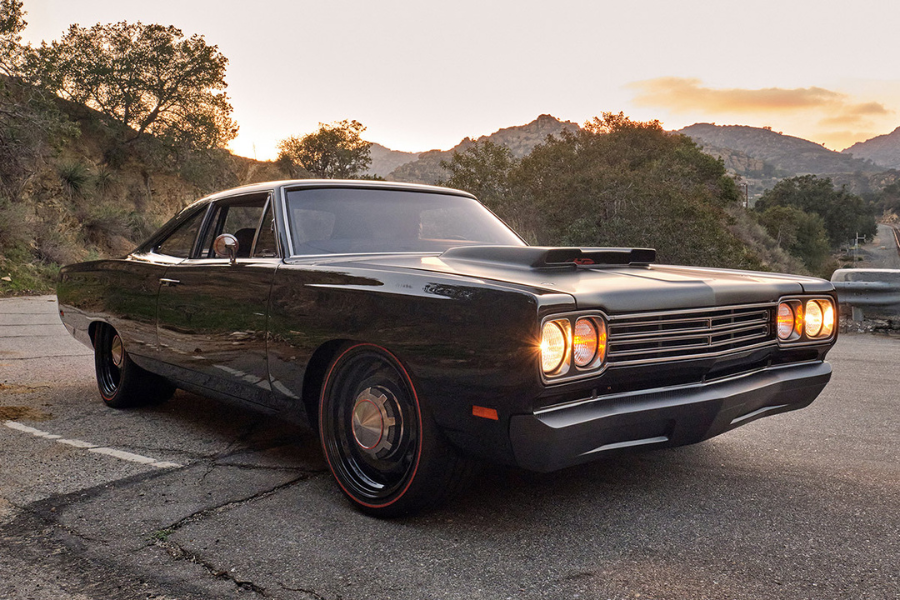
x=381, y=446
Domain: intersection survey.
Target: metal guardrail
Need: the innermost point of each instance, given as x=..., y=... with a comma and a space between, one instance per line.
x=873, y=291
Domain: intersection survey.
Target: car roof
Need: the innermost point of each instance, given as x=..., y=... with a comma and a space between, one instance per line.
x=333, y=183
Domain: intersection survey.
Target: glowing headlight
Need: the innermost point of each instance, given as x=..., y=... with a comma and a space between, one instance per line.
x=785, y=321
x=553, y=346
x=828, y=319
x=585, y=342
x=800, y=320
x=813, y=319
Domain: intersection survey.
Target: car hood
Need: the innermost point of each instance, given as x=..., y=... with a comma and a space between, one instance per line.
x=615, y=288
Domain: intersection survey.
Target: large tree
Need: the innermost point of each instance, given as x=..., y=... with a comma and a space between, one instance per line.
x=335, y=151
x=29, y=121
x=483, y=169
x=12, y=22
x=845, y=215
x=618, y=182
x=147, y=78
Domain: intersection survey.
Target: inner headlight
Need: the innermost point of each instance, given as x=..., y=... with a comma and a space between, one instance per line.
x=813, y=319
x=584, y=344
x=553, y=346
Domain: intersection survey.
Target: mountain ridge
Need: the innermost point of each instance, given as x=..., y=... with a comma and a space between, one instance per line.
x=520, y=139
x=883, y=150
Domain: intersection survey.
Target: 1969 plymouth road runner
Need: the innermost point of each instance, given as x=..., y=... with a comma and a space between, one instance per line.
x=417, y=334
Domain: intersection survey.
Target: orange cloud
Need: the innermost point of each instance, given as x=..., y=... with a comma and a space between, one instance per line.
x=688, y=95
x=828, y=115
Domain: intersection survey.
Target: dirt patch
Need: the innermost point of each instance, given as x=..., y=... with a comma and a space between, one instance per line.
x=14, y=413
x=13, y=388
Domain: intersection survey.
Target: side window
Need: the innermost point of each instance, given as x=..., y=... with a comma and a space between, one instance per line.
x=181, y=241
x=266, y=246
x=240, y=218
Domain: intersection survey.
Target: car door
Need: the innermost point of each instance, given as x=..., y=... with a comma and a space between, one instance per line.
x=212, y=310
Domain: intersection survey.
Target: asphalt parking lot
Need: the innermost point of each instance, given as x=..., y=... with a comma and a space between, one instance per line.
x=197, y=499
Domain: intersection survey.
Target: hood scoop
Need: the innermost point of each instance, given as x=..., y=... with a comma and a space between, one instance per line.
x=536, y=257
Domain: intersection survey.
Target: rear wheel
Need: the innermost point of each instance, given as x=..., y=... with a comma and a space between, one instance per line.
x=384, y=451
x=122, y=383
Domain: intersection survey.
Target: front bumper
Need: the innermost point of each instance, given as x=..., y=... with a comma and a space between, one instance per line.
x=582, y=431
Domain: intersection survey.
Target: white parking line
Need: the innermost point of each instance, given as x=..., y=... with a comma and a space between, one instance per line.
x=120, y=454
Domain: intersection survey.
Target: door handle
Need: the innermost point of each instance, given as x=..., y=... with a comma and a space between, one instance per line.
x=169, y=282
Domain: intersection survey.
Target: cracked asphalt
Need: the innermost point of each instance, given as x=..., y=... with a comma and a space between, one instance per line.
x=804, y=505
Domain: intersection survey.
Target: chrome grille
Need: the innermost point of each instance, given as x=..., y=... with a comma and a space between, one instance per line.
x=677, y=335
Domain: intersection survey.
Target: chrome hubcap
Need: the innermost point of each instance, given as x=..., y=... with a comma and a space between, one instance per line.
x=374, y=422
x=117, y=351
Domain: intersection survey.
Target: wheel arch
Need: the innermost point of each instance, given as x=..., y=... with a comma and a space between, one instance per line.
x=314, y=377
x=93, y=328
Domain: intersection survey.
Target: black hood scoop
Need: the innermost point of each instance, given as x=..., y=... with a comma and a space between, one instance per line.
x=537, y=257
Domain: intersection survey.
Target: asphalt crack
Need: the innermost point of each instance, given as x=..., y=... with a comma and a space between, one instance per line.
x=312, y=593
x=206, y=512
x=178, y=553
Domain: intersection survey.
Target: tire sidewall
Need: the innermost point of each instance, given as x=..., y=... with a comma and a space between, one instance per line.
x=404, y=499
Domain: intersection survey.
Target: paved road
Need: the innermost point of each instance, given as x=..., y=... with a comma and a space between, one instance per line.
x=881, y=253
x=195, y=499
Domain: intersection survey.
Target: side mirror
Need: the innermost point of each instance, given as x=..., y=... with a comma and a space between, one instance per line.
x=226, y=245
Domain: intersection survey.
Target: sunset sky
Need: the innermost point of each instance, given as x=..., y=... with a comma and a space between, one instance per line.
x=423, y=75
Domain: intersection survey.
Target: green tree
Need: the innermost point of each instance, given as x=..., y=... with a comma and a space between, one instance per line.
x=801, y=234
x=619, y=182
x=12, y=22
x=843, y=214
x=149, y=79
x=335, y=151
x=482, y=169
x=888, y=200
x=29, y=121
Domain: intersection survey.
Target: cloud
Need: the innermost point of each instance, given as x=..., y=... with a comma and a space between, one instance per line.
x=689, y=95
x=827, y=111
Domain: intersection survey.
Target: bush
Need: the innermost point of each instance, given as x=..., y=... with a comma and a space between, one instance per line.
x=104, y=221
x=75, y=178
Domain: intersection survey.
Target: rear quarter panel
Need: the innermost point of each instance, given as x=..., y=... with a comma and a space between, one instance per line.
x=121, y=292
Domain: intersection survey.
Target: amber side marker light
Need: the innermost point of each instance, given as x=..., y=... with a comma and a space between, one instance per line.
x=485, y=413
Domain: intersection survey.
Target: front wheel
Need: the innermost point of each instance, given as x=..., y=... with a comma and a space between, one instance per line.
x=122, y=383
x=384, y=451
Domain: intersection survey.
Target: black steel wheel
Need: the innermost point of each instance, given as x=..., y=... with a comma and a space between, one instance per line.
x=382, y=448
x=122, y=383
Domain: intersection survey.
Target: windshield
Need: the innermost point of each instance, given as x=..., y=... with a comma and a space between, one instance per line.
x=354, y=220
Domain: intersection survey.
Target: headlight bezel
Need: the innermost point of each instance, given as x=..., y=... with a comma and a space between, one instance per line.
x=800, y=307
x=570, y=369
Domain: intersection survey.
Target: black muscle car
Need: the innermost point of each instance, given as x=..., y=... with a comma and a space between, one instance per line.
x=417, y=333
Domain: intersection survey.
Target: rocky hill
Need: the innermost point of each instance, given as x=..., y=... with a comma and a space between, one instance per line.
x=787, y=155
x=883, y=150
x=385, y=160
x=520, y=140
